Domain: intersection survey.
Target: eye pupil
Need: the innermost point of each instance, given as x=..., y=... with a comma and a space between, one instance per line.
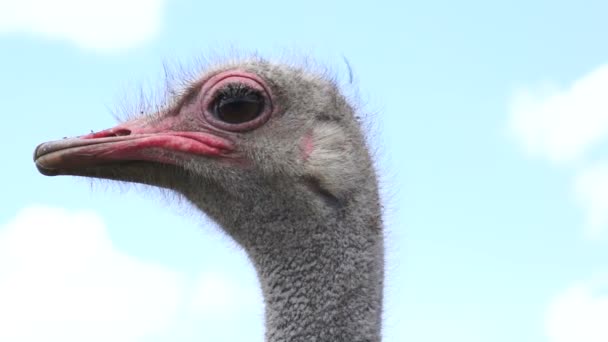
x=235, y=111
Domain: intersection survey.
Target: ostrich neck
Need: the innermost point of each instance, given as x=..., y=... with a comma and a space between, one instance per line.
x=322, y=280
x=321, y=269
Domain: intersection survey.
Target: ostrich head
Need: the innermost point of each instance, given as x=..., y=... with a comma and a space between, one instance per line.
x=275, y=155
x=239, y=138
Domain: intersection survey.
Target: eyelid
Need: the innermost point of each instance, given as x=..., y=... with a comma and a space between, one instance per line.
x=237, y=84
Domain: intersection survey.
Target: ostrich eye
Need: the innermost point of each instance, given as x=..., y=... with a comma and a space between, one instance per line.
x=237, y=104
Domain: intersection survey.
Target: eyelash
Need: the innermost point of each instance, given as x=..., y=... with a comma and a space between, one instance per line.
x=235, y=90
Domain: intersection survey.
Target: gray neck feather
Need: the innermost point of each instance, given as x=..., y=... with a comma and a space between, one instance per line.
x=320, y=267
x=327, y=287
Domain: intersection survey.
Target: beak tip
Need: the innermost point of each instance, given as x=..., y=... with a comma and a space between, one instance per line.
x=39, y=151
x=45, y=171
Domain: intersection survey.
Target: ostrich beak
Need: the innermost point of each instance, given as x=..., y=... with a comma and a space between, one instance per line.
x=134, y=141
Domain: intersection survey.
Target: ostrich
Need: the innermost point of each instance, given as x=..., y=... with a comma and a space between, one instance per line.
x=275, y=156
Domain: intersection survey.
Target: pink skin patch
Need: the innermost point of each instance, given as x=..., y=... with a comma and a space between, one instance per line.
x=307, y=146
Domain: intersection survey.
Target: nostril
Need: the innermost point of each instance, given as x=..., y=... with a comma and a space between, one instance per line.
x=122, y=132
x=118, y=132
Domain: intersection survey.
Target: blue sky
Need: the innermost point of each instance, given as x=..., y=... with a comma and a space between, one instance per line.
x=491, y=123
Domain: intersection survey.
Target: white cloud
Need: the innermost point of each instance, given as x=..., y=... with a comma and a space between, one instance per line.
x=62, y=280
x=222, y=297
x=218, y=295
x=562, y=124
x=93, y=24
x=580, y=314
x=591, y=190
